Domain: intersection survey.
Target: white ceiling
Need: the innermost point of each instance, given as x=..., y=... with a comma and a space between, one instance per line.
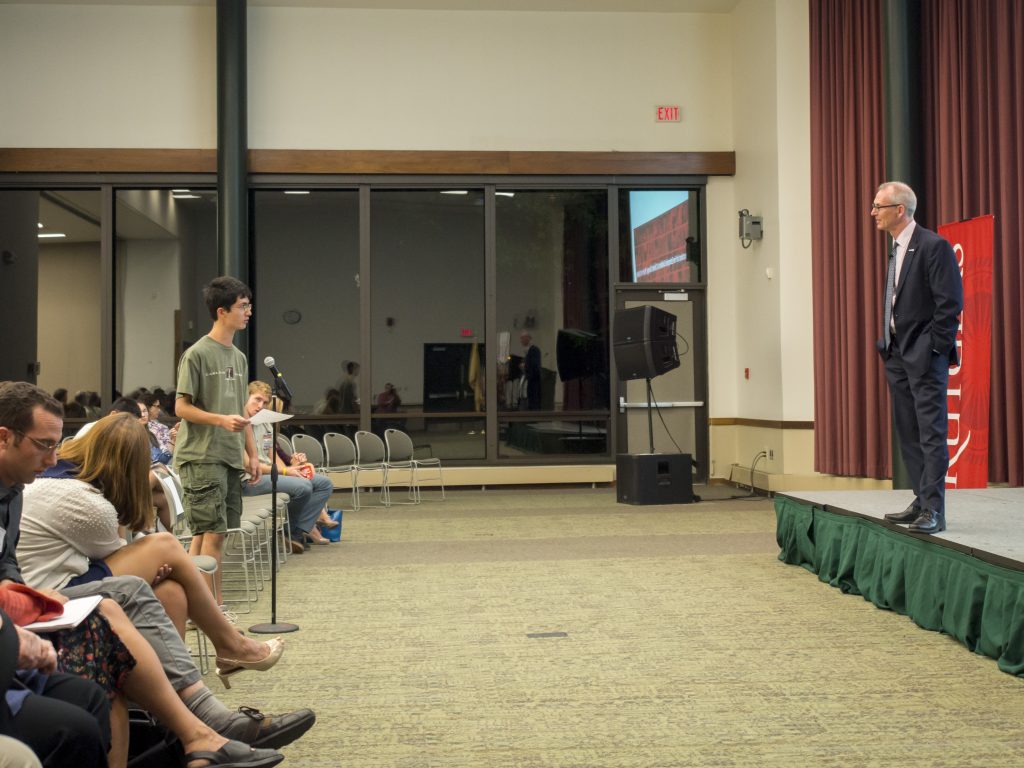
x=581, y=6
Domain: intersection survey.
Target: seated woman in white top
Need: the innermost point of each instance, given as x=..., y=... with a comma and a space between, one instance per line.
x=78, y=516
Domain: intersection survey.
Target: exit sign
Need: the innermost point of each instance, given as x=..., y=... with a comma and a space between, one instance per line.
x=666, y=114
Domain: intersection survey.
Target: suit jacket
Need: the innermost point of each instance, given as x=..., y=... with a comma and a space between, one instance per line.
x=929, y=299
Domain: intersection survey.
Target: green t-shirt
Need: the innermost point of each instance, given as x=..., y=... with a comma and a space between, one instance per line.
x=216, y=378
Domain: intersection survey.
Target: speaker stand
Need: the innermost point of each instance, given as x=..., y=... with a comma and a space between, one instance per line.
x=650, y=416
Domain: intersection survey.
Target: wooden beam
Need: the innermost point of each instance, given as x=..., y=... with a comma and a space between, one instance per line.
x=372, y=162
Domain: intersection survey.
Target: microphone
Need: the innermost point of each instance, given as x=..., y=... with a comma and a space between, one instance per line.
x=280, y=385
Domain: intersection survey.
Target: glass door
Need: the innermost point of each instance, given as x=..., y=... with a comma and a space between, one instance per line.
x=677, y=420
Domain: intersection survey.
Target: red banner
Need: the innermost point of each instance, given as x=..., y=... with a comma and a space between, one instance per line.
x=968, y=393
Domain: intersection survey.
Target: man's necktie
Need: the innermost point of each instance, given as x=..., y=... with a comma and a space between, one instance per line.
x=890, y=289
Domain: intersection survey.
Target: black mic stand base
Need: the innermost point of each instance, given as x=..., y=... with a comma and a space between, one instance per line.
x=273, y=629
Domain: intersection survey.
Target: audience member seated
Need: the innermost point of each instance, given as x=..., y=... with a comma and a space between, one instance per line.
x=388, y=400
x=120, y=405
x=165, y=436
x=308, y=496
x=331, y=403
x=64, y=720
x=78, y=515
x=61, y=396
x=30, y=429
x=90, y=401
x=157, y=454
x=108, y=650
x=75, y=410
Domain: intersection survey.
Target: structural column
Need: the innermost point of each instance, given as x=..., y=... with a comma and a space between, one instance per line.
x=901, y=75
x=232, y=140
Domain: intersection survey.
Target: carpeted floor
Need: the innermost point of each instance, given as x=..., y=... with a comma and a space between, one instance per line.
x=559, y=628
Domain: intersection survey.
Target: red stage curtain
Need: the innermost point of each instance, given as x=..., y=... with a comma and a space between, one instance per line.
x=851, y=410
x=973, y=93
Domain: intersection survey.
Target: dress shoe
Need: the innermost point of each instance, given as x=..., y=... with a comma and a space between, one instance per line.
x=908, y=515
x=929, y=521
x=228, y=667
x=252, y=727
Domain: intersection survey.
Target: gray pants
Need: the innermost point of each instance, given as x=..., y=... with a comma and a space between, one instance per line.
x=137, y=600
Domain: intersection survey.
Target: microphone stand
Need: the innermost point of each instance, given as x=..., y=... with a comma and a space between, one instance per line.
x=273, y=628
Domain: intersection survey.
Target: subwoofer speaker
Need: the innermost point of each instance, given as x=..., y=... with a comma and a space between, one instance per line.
x=654, y=478
x=644, y=341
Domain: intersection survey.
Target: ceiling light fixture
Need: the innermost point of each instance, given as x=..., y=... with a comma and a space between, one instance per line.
x=454, y=191
x=52, y=234
x=296, y=191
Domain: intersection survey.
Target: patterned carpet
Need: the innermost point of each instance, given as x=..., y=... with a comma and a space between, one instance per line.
x=558, y=628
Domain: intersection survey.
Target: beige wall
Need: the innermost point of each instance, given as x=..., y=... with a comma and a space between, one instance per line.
x=765, y=290
x=69, y=317
x=334, y=78
x=144, y=76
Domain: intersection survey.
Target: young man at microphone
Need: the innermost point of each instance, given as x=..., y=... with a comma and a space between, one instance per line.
x=215, y=445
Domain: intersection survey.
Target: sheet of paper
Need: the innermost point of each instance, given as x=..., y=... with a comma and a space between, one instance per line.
x=75, y=611
x=267, y=416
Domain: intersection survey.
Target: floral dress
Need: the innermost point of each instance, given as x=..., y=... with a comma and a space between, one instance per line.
x=94, y=651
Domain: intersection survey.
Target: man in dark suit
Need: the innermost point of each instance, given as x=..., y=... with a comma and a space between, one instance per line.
x=920, y=315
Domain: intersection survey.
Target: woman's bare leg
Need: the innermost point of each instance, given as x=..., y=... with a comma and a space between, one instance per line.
x=172, y=596
x=117, y=757
x=148, y=685
x=144, y=557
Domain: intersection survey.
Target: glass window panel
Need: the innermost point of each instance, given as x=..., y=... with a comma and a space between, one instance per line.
x=552, y=305
x=428, y=315
x=165, y=251
x=553, y=438
x=440, y=436
x=306, y=303
x=51, y=291
x=552, y=300
x=659, y=236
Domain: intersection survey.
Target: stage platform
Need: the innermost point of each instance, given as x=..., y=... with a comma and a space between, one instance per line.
x=967, y=581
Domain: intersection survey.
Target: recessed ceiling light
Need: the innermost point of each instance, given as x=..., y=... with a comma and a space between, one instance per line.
x=454, y=192
x=185, y=197
x=180, y=191
x=52, y=234
x=506, y=194
x=40, y=225
x=296, y=191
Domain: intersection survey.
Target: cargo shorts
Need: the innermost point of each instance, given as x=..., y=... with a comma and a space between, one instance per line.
x=213, y=496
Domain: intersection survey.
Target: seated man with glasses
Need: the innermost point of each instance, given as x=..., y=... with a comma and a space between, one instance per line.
x=30, y=427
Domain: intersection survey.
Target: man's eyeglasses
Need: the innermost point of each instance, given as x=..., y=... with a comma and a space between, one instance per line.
x=877, y=207
x=46, y=446
x=247, y=307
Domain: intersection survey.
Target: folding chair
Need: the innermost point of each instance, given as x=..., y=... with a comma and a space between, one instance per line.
x=341, y=457
x=399, y=457
x=400, y=447
x=310, y=446
x=371, y=456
